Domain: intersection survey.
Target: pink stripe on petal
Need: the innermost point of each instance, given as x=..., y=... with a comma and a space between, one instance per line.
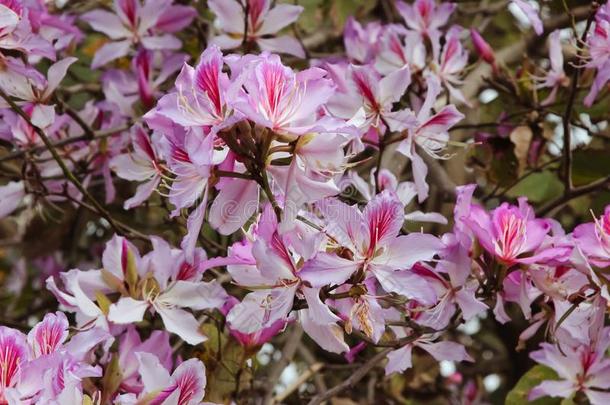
x=13, y=353
x=49, y=334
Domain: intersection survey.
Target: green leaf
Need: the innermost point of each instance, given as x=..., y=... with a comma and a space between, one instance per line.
x=589, y=165
x=537, y=374
x=538, y=187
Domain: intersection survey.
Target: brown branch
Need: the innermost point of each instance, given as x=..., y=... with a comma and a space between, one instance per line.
x=572, y=194
x=358, y=375
x=63, y=142
x=567, y=116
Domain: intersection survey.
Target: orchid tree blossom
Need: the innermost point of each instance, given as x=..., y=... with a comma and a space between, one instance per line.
x=598, y=45
x=512, y=234
x=190, y=155
x=375, y=246
x=149, y=71
x=270, y=266
x=429, y=131
x=277, y=98
x=556, y=77
x=425, y=17
x=581, y=368
x=185, y=386
x=16, y=32
x=366, y=89
x=201, y=95
x=399, y=48
x=166, y=295
x=35, y=99
x=263, y=22
x=594, y=239
x=143, y=165
x=133, y=23
x=450, y=63
x=400, y=360
x=361, y=42
x=43, y=366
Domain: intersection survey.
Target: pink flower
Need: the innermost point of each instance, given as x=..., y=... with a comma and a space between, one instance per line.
x=581, y=368
x=271, y=266
x=141, y=165
x=263, y=24
x=398, y=48
x=556, y=77
x=375, y=247
x=450, y=63
x=161, y=292
x=280, y=99
x=13, y=356
x=425, y=16
x=201, y=95
x=594, y=239
x=512, y=234
x=430, y=132
x=133, y=23
x=185, y=386
x=599, y=53
x=361, y=43
x=400, y=360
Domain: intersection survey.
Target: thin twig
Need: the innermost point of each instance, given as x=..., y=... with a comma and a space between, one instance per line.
x=63, y=142
x=567, y=116
x=358, y=375
x=574, y=193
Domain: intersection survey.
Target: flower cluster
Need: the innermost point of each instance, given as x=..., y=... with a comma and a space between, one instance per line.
x=278, y=208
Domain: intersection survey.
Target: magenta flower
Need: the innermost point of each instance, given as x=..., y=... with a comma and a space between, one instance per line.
x=366, y=89
x=133, y=23
x=185, y=386
x=599, y=52
x=484, y=50
x=263, y=24
x=201, y=95
x=399, y=47
x=16, y=31
x=594, y=239
x=271, y=266
x=425, y=16
x=430, y=132
x=361, y=43
x=399, y=360
x=280, y=99
x=581, y=368
x=141, y=165
x=130, y=345
x=13, y=356
x=556, y=77
x=164, y=294
x=512, y=234
x=450, y=63
x=376, y=248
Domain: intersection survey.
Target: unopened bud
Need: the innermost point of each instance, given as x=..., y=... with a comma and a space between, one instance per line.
x=482, y=47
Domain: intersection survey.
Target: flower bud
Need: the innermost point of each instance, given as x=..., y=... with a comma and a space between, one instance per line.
x=482, y=47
